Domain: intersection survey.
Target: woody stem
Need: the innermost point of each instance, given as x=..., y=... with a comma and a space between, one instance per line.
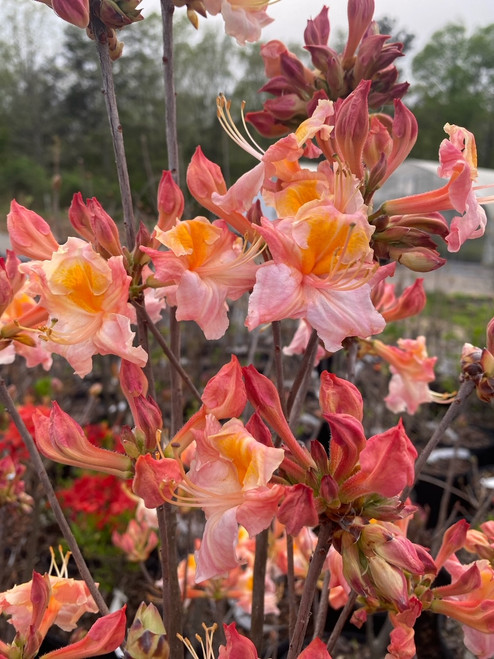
x=52, y=499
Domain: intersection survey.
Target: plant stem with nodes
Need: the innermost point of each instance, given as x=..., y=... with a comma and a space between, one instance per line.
x=52, y=499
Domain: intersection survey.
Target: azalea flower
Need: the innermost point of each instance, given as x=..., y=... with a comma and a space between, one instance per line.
x=244, y=19
x=228, y=478
x=458, y=162
x=412, y=371
x=322, y=263
x=20, y=316
x=206, y=264
x=86, y=298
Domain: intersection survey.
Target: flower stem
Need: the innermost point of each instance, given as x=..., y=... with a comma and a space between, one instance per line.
x=321, y=551
x=116, y=130
x=466, y=389
x=298, y=391
x=169, y=353
x=278, y=363
x=52, y=499
x=258, y=589
x=171, y=595
x=342, y=618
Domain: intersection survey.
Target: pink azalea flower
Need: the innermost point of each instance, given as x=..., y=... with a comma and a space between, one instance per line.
x=21, y=314
x=412, y=371
x=321, y=266
x=206, y=264
x=86, y=298
x=458, y=162
x=228, y=479
x=244, y=19
x=65, y=602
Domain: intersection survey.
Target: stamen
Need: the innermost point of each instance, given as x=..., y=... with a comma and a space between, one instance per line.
x=62, y=571
x=225, y=118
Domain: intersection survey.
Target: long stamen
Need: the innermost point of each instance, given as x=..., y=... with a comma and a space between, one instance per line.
x=225, y=118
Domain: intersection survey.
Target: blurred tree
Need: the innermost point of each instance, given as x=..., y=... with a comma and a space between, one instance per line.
x=454, y=82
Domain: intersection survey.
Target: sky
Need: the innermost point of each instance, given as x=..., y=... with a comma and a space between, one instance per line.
x=420, y=17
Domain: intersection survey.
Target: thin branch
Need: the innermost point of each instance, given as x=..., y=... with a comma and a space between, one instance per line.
x=321, y=551
x=323, y=607
x=258, y=590
x=301, y=383
x=170, y=355
x=168, y=526
x=52, y=499
x=466, y=389
x=167, y=9
x=290, y=576
x=278, y=363
x=116, y=130
x=343, y=617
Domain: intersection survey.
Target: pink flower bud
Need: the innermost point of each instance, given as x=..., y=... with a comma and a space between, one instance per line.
x=351, y=128
x=236, y=645
x=224, y=395
x=29, y=234
x=105, y=230
x=347, y=442
x=453, y=540
x=298, y=509
x=315, y=650
x=387, y=466
x=360, y=13
x=61, y=439
x=73, y=11
x=170, y=202
x=340, y=396
x=264, y=398
x=317, y=30
x=80, y=218
x=204, y=177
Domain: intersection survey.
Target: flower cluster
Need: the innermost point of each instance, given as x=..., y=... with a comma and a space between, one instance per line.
x=367, y=55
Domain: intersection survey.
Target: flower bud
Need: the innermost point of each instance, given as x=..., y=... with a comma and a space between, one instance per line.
x=75, y=12
x=29, y=234
x=147, y=635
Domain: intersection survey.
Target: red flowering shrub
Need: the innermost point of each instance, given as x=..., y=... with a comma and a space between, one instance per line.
x=97, y=500
x=11, y=442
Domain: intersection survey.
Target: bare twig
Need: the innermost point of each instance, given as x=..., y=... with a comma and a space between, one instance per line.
x=290, y=576
x=322, y=611
x=52, y=499
x=321, y=551
x=343, y=617
x=278, y=363
x=170, y=355
x=298, y=390
x=258, y=590
x=116, y=130
x=168, y=523
x=466, y=389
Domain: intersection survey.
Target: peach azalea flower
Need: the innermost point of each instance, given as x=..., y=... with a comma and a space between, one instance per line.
x=228, y=479
x=86, y=298
x=322, y=263
x=206, y=264
x=244, y=19
x=412, y=371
